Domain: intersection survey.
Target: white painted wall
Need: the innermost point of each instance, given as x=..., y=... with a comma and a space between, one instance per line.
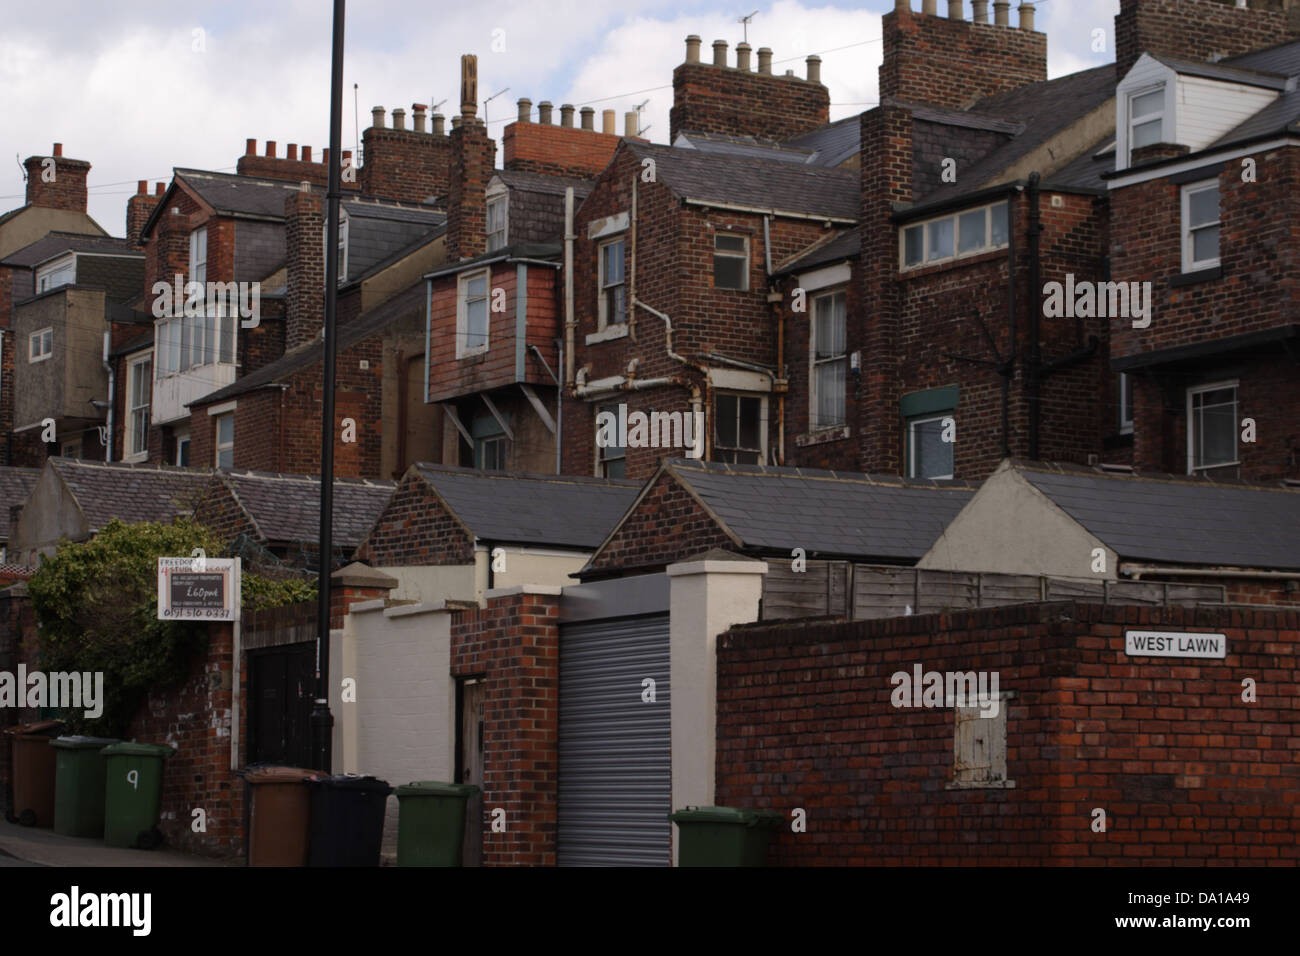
x=426, y=584
x=539, y=567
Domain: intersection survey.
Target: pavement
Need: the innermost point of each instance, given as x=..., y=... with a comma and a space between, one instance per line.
x=39, y=846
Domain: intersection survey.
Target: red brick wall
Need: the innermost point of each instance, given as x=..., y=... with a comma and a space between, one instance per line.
x=305, y=269
x=931, y=59
x=514, y=644
x=733, y=102
x=557, y=150
x=404, y=164
x=294, y=170
x=473, y=156
x=415, y=528
x=138, y=209
x=1187, y=772
x=1196, y=29
x=66, y=191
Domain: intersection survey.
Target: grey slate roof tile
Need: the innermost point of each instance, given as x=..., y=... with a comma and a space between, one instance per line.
x=559, y=510
x=286, y=508
x=56, y=243
x=132, y=493
x=15, y=485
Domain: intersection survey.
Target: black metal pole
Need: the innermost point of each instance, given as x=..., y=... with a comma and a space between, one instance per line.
x=322, y=721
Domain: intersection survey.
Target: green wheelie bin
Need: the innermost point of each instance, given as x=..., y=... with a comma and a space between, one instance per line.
x=79, y=785
x=724, y=836
x=431, y=822
x=133, y=794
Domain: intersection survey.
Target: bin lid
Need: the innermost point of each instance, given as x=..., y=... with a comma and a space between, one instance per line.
x=281, y=775
x=731, y=815
x=128, y=749
x=352, y=781
x=50, y=728
x=435, y=788
x=80, y=742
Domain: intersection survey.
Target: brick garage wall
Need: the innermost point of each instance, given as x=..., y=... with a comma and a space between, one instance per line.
x=734, y=102
x=514, y=645
x=416, y=529
x=1188, y=773
x=195, y=717
x=1198, y=29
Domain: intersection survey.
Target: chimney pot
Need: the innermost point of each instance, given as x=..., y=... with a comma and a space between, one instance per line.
x=525, y=109
x=1002, y=13
x=455, y=122
x=692, y=49
x=764, y=60
x=304, y=186
x=306, y=154
x=630, y=125
x=250, y=147
x=399, y=118
x=588, y=117
x=980, y=11
x=719, y=52
x=159, y=189
x=439, y=127
x=142, y=187
x=377, y=117
x=814, y=69
x=58, y=149
x=742, y=56
x=270, y=148
x=608, y=122
x=1026, y=16
x=903, y=5
x=291, y=151
x=930, y=7
x=566, y=115
x=954, y=9
x=418, y=117
x=325, y=156
x=347, y=157
x=544, y=112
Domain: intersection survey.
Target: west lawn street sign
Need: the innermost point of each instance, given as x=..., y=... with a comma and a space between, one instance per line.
x=1174, y=644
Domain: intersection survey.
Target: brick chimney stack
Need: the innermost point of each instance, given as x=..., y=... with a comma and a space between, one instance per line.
x=473, y=155
x=56, y=182
x=139, y=207
x=1200, y=29
x=304, y=307
x=948, y=61
x=413, y=165
x=291, y=167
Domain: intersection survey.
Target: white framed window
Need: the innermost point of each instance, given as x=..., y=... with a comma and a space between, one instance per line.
x=1125, y=404
x=54, y=274
x=472, y=314
x=40, y=345
x=928, y=455
x=1146, y=110
x=612, y=307
x=828, y=360
x=739, y=428
x=490, y=453
x=342, y=247
x=496, y=223
x=199, y=255
x=224, y=446
x=730, y=262
x=1212, y=427
x=190, y=341
x=611, y=460
x=139, y=390
x=1200, y=225
x=954, y=236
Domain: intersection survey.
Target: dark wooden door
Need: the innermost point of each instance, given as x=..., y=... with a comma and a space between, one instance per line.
x=470, y=748
x=280, y=693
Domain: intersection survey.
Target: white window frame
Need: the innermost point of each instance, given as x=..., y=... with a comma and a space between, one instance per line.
x=218, y=446
x=134, y=453
x=1131, y=121
x=1125, y=399
x=46, y=274
x=463, y=350
x=602, y=306
x=500, y=200
x=731, y=254
x=1235, y=385
x=762, y=423
x=199, y=256
x=813, y=362
x=925, y=224
x=44, y=340
x=1190, y=263
x=480, y=447
x=912, y=444
x=343, y=248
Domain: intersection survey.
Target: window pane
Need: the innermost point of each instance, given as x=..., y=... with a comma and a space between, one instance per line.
x=829, y=332
x=970, y=230
x=476, y=321
x=228, y=338
x=1144, y=134
x=174, y=344
x=830, y=394
x=1205, y=244
x=724, y=416
x=933, y=455
x=1203, y=206
x=225, y=429
x=750, y=422
x=998, y=228
x=729, y=272
x=476, y=286
x=729, y=243
x=913, y=242
x=940, y=238
x=615, y=469
x=614, y=305
x=183, y=452
x=1153, y=102
x=187, y=330
x=613, y=263
x=226, y=458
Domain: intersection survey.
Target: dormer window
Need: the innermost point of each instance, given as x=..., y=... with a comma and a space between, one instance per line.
x=496, y=223
x=55, y=274
x=1146, y=112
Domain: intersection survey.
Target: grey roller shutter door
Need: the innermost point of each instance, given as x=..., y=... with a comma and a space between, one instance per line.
x=615, y=773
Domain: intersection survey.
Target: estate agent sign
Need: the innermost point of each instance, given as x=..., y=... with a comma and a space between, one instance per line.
x=198, y=589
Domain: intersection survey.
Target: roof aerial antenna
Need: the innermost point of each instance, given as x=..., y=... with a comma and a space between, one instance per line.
x=744, y=21
x=640, y=108
x=489, y=100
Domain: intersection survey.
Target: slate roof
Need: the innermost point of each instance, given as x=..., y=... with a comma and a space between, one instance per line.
x=1224, y=71
x=133, y=493
x=847, y=244
x=557, y=510
x=743, y=146
x=542, y=183
x=379, y=232
x=409, y=299
x=1173, y=520
x=15, y=485
x=54, y=244
x=236, y=195
x=825, y=512
x=761, y=184
x=1283, y=59
x=286, y=508
x=1087, y=169
x=516, y=250
x=833, y=143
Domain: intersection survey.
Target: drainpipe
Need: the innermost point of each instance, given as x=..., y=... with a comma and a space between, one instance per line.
x=1035, y=316
x=570, y=322
x=631, y=279
x=778, y=387
x=559, y=416
x=1009, y=366
x=112, y=388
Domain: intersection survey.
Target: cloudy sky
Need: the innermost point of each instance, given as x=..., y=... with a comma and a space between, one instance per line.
x=138, y=87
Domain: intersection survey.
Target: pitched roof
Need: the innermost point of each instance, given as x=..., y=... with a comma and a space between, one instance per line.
x=557, y=510
x=542, y=183
x=15, y=485
x=825, y=512
x=286, y=508
x=532, y=251
x=236, y=195
x=743, y=146
x=368, y=323
x=833, y=143
x=133, y=493
x=380, y=232
x=846, y=244
x=1223, y=71
x=1282, y=115
x=1178, y=520
x=1282, y=58
x=757, y=183
x=56, y=243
